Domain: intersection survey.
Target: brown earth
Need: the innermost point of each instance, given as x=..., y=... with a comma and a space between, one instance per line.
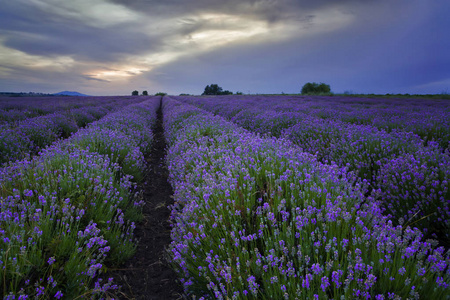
x=147, y=274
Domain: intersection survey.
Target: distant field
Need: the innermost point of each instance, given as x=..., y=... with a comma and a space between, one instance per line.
x=276, y=196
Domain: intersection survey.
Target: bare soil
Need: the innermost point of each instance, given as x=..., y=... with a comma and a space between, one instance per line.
x=147, y=275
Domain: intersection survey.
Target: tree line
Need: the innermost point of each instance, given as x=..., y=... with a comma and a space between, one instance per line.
x=145, y=93
x=309, y=88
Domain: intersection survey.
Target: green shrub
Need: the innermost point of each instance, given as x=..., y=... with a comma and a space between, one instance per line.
x=313, y=88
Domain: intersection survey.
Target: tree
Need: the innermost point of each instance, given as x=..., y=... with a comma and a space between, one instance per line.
x=145, y=93
x=313, y=88
x=212, y=89
x=160, y=94
x=135, y=93
x=215, y=89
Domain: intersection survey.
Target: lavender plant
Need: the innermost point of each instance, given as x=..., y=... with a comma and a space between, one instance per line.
x=123, y=136
x=427, y=118
x=415, y=189
x=361, y=148
x=255, y=218
x=13, y=110
x=336, y=133
x=25, y=138
x=64, y=214
x=56, y=210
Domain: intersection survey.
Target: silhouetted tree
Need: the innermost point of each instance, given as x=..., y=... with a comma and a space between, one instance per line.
x=160, y=94
x=215, y=89
x=145, y=93
x=135, y=93
x=313, y=88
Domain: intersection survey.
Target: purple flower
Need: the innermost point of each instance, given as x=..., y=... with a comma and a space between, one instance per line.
x=335, y=277
x=317, y=269
x=306, y=281
x=324, y=283
x=58, y=295
x=51, y=260
x=39, y=291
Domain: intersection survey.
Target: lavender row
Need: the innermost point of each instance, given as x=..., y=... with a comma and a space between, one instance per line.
x=33, y=134
x=255, y=218
x=430, y=124
x=411, y=180
x=14, y=110
x=430, y=119
x=68, y=213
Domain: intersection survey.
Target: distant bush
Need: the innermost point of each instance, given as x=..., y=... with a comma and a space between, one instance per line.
x=145, y=93
x=215, y=89
x=313, y=88
x=135, y=93
x=160, y=94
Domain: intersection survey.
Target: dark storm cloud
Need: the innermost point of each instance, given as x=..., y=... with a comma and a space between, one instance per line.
x=83, y=43
x=271, y=10
x=39, y=32
x=381, y=54
x=176, y=46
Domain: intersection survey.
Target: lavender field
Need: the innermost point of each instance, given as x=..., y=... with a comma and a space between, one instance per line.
x=68, y=206
x=29, y=125
x=276, y=197
x=309, y=197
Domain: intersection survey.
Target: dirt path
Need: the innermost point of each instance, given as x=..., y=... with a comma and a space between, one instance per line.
x=147, y=275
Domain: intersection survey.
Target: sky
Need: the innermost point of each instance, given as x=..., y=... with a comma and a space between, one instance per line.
x=112, y=47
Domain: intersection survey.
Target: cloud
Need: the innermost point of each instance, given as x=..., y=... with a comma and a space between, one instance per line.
x=99, y=14
x=267, y=44
x=150, y=32
x=269, y=10
x=366, y=50
x=440, y=85
x=91, y=77
x=16, y=59
x=79, y=40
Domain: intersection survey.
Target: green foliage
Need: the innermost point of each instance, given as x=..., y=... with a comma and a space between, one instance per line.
x=145, y=93
x=286, y=227
x=67, y=214
x=212, y=89
x=160, y=94
x=313, y=88
x=135, y=93
x=215, y=89
x=49, y=242
x=82, y=118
